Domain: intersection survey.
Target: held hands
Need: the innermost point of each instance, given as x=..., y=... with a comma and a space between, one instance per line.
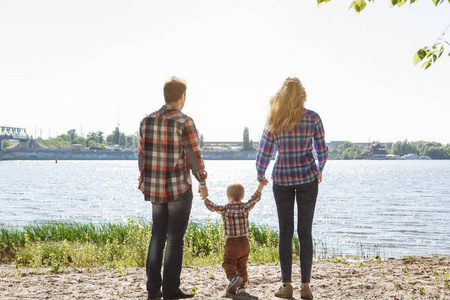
x=262, y=183
x=203, y=191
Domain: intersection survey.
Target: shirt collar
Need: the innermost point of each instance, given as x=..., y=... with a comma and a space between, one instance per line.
x=170, y=106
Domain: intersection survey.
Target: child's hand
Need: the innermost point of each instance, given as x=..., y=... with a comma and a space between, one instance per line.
x=204, y=193
x=262, y=183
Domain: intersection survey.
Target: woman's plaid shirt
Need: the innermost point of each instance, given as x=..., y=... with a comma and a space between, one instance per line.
x=235, y=215
x=295, y=162
x=168, y=150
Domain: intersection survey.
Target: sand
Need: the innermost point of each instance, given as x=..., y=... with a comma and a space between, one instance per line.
x=422, y=278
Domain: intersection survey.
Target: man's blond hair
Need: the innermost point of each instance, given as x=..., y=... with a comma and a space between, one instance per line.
x=235, y=191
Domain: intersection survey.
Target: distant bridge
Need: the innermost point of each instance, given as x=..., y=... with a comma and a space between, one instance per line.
x=11, y=133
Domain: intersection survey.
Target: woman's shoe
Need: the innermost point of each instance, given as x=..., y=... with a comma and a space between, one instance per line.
x=285, y=291
x=305, y=293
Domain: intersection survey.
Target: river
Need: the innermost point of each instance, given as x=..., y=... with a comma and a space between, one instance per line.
x=390, y=208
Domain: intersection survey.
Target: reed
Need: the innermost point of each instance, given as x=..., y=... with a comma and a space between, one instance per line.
x=61, y=245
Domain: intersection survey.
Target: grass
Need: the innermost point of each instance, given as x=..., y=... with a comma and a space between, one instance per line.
x=61, y=245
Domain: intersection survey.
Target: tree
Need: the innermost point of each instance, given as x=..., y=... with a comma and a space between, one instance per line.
x=388, y=147
x=6, y=144
x=72, y=134
x=202, y=141
x=403, y=148
x=246, y=140
x=115, y=139
x=428, y=55
x=101, y=139
x=352, y=152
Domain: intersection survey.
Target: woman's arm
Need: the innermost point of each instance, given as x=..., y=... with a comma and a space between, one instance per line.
x=265, y=151
x=320, y=145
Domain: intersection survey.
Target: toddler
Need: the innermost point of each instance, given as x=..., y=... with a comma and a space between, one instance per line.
x=236, y=226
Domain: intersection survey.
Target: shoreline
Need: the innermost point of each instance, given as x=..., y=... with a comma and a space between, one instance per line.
x=407, y=278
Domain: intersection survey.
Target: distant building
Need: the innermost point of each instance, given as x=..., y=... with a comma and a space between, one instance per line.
x=375, y=151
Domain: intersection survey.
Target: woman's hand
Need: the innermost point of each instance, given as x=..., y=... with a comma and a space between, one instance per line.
x=320, y=177
x=263, y=180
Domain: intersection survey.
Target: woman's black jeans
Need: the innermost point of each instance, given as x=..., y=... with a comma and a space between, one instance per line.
x=306, y=196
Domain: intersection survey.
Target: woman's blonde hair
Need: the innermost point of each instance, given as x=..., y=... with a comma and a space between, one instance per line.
x=287, y=105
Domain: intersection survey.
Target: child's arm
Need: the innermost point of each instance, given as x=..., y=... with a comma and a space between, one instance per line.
x=210, y=205
x=256, y=196
x=204, y=194
x=262, y=184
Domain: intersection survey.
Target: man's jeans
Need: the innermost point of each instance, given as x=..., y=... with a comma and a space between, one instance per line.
x=170, y=221
x=285, y=196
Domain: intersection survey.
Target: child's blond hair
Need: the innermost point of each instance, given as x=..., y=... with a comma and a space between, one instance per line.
x=235, y=191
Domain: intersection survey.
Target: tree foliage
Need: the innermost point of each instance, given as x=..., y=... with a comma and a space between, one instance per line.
x=247, y=144
x=246, y=140
x=202, y=141
x=351, y=150
x=93, y=140
x=428, y=54
x=434, y=150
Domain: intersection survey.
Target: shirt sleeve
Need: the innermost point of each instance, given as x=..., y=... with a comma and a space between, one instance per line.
x=214, y=207
x=265, y=151
x=253, y=200
x=319, y=144
x=141, y=147
x=193, y=155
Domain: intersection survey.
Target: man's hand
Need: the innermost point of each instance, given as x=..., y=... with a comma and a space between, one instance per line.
x=203, y=190
x=320, y=177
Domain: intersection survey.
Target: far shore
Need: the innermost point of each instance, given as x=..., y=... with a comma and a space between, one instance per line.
x=407, y=278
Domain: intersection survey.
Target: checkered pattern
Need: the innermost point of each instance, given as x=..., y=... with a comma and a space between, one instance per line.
x=169, y=146
x=235, y=215
x=295, y=162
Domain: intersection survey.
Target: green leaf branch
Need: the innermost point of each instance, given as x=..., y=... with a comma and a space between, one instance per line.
x=427, y=55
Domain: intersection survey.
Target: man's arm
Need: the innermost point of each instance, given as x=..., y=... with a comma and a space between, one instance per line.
x=140, y=161
x=193, y=154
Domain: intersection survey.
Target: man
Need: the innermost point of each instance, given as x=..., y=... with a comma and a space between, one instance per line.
x=168, y=151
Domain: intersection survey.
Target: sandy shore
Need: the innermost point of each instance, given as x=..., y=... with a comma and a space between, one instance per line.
x=422, y=278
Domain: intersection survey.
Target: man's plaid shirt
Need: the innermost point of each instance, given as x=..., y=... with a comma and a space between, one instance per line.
x=235, y=215
x=295, y=162
x=168, y=150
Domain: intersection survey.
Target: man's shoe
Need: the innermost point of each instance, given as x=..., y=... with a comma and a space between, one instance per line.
x=305, y=293
x=179, y=294
x=234, y=283
x=285, y=291
x=155, y=297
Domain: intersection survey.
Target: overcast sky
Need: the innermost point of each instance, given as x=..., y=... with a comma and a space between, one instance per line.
x=86, y=65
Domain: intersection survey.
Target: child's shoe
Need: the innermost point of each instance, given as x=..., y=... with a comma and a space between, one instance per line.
x=234, y=283
x=285, y=291
x=240, y=290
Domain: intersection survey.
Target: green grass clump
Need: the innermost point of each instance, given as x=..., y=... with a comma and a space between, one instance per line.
x=61, y=245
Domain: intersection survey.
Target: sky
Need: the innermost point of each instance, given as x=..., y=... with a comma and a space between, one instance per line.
x=89, y=65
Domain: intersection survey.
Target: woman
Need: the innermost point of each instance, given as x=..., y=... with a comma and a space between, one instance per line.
x=293, y=130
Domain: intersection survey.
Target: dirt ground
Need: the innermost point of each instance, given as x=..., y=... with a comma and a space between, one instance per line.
x=420, y=278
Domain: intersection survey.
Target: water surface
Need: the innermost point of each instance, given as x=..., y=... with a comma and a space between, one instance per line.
x=391, y=208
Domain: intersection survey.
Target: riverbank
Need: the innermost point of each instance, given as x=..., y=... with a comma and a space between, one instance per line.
x=408, y=278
